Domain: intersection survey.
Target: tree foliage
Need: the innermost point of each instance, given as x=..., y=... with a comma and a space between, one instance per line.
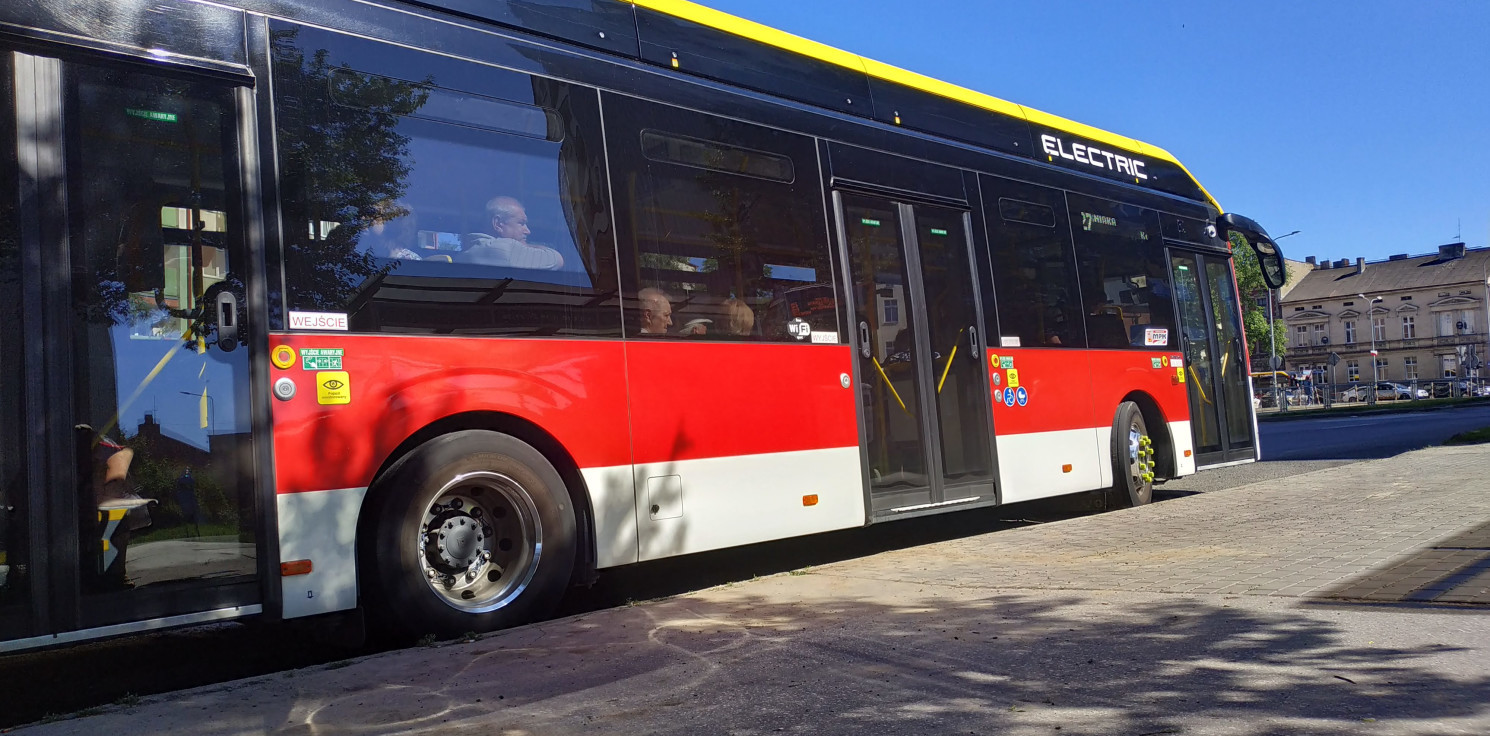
x=1251, y=286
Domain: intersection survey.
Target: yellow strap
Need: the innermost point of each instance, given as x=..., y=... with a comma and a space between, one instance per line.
x=890, y=386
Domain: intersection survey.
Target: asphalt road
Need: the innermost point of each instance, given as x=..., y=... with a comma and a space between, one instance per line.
x=34, y=685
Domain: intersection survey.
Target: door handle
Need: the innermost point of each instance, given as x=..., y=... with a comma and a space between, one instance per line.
x=227, y=321
x=864, y=348
x=972, y=333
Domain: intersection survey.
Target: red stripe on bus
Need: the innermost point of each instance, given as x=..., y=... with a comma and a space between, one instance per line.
x=1077, y=389
x=574, y=389
x=701, y=400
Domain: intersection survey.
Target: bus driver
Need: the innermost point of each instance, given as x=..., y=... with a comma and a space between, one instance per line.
x=507, y=245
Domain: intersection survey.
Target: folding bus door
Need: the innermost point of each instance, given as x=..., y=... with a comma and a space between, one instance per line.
x=917, y=330
x=1216, y=366
x=136, y=501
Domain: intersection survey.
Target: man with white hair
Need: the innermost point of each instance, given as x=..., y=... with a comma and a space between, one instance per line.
x=656, y=309
x=507, y=244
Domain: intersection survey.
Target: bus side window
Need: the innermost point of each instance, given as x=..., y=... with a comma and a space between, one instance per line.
x=1125, y=290
x=724, y=220
x=1034, y=271
x=467, y=202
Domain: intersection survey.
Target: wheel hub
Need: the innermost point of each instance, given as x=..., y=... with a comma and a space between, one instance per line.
x=453, y=541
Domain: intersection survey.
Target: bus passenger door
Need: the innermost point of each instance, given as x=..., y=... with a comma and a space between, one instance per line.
x=1216, y=365
x=140, y=499
x=923, y=383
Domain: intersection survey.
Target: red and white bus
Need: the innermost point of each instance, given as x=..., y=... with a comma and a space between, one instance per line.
x=431, y=309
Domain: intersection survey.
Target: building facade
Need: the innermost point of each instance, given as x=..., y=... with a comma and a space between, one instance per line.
x=1425, y=316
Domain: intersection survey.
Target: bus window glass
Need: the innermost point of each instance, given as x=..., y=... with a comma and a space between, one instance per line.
x=1125, y=288
x=1034, y=273
x=720, y=222
x=12, y=487
x=412, y=207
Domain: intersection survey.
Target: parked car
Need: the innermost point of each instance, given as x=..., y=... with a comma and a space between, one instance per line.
x=1456, y=387
x=1385, y=391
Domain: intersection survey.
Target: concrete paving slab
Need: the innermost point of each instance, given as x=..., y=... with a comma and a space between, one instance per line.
x=1037, y=630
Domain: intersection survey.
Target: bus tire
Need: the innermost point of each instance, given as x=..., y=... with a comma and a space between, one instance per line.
x=1132, y=458
x=472, y=532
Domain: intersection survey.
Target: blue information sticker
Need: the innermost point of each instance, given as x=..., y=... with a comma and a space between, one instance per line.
x=1008, y=397
x=1022, y=396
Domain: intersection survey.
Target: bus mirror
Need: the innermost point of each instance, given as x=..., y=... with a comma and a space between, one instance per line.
x=1269, y=257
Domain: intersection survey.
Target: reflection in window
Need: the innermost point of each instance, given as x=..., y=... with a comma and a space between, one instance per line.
x=1034, y=275
x=721, y=227
x=13, y=500
x=1124, y=275
x=417, y=208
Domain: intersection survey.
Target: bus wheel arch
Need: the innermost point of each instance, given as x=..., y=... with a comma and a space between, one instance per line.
x=528, y=466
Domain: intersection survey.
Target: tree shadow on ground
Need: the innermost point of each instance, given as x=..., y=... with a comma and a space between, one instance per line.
x=825, y=654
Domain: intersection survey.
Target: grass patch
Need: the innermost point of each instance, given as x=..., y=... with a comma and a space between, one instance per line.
x=1472, y=437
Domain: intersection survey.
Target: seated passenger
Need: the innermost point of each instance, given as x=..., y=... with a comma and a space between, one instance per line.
x=507, y=244
x=739, y=318
x=656, y=311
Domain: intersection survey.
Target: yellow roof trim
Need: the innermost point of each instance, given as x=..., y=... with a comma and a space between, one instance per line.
x=722, y=21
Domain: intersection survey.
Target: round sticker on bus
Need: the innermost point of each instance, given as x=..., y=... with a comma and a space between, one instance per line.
x=1022, y=396
x=1008, y=397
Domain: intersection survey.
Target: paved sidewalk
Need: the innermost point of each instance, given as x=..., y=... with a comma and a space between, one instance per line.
x=1345, y=601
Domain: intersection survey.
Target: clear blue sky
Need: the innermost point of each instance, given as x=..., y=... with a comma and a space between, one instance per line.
x=1362, y=124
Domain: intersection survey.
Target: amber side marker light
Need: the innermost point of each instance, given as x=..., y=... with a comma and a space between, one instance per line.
x=1066, y=468
x=810, y=500
x=294, y=567
x=1188, y=453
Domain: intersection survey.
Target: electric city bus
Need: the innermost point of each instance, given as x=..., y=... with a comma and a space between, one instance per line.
x=430, y=310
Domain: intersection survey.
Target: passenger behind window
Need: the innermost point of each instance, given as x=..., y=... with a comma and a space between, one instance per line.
x=656, y=310
x=739, y=318
x=507, y=244
x=393, y=232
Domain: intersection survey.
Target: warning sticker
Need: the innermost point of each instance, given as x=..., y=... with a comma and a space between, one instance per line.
x=1006, y=362
x=1013, y=378
x=1177, y=362
x=333, y=387
x=321, y=359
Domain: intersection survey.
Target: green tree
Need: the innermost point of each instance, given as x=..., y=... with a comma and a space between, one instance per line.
x=1251, y=286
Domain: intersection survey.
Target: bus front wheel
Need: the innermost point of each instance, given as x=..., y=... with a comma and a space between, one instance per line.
x=1132, y=458
x=472, y=532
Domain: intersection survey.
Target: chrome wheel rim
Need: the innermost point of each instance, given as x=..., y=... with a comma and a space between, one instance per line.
x=479, y=542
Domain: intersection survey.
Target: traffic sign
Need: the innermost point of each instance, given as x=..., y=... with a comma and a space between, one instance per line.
x=1374, y=353
x=1277, y=362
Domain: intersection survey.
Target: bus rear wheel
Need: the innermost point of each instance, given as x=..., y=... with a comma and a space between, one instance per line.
x=1132, y=458
x=472, y=532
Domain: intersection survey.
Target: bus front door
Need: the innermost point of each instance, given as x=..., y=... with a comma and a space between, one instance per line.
x=923, y=383
x=1216, y=363
x=136, y=502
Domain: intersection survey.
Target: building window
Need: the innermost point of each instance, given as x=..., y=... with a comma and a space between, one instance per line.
x=1379, y=329
x=1352, y=370
x=1350, y=332
x=1409, y=329
x=1410, y=368
x=1320, y=336
x=892, y=311
x=1381, y=369
x=1303, y=334
x=1467, y=317
x=1450, y=365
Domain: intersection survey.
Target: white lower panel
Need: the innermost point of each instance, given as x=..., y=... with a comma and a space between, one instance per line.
x=1031, y=465
x=1183, y=443
x=724, y=502
x=613, y=500
x=320, y=526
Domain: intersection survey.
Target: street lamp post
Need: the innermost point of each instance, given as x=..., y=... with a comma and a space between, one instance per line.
x=1371, y=322
x=1273, y=338
x=211, y=410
